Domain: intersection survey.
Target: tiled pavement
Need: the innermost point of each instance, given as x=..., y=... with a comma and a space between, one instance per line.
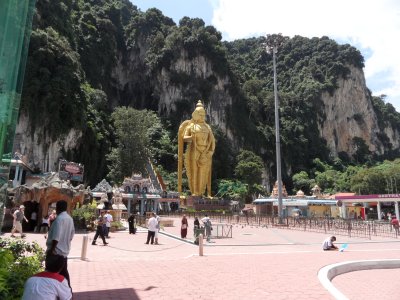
x=257, y=263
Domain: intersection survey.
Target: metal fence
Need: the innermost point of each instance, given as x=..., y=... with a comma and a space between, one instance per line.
x=221, y=231
x=348, y=227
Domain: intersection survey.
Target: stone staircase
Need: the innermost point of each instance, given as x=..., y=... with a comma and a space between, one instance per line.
x=154, y=178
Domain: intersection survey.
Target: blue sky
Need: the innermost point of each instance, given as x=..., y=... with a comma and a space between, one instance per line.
x=372, y=26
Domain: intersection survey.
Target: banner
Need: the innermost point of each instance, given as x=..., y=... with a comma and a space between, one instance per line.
x=71, y=171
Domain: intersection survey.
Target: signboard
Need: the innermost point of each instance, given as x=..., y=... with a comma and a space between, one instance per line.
x=71, y=171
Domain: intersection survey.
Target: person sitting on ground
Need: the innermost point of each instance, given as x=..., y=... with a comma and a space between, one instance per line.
x=48, y=284
x=328, y=244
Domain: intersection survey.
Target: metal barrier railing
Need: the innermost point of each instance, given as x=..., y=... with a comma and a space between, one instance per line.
x=221, y=231
x=348, y=227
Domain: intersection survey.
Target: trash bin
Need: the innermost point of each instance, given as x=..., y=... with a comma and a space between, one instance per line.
x=197, y=232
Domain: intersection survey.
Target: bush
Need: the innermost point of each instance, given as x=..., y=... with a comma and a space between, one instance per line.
x=118, y=225
x=85, y=215
x=19, y=260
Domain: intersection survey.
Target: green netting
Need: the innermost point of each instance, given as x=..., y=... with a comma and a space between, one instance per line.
x=15, y=30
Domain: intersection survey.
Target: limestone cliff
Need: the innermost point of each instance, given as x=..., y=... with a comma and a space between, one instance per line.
x=39, y=149
x=199, y=68
x=348, y=113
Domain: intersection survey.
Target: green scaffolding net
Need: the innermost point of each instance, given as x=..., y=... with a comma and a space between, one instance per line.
x=15, y=30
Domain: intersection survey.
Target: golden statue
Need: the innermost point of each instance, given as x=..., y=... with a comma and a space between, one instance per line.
x=198, y=136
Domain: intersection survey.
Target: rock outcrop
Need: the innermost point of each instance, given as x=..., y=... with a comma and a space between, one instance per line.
x=348, y=113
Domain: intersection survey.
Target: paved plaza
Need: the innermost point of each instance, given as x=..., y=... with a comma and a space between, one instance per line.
x=256, y=263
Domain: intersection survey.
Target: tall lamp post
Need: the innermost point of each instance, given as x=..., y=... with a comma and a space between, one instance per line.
x=272, y=44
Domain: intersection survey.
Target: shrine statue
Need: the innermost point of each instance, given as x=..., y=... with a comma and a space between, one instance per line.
x=200, y=141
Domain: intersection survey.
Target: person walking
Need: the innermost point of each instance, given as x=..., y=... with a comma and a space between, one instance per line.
x=61, y=233
x=131, y=222
x=18, y=216
x=44, y=227
x=33, y=221
x=184, y=227
x=395, y=223
x=100, y=229
x=109, y=219
x=152, y=227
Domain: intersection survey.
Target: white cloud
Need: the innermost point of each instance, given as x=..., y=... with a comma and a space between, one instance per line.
x=372, y=26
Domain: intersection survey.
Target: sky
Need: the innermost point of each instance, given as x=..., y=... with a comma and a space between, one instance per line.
x=372, y=26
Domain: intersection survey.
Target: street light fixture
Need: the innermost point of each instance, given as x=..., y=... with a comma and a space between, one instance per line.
x=272, y=44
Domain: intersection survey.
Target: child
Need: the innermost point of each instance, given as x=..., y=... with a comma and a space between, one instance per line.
x=48, y=284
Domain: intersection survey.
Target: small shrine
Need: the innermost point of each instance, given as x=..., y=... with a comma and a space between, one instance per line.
x=140, y=193
x=316, y=190
x=42, y=195
x=103, y=187
x=117, y=205
x=102, y=193
x=274, y=193
x=137, y=184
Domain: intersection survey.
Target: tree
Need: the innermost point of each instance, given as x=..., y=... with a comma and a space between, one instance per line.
x=361, y=150
x=131, y=153
x=249, y=169
x=232, y=189
x=301, y=181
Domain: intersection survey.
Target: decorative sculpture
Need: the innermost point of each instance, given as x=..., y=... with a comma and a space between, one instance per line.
x=200, y=141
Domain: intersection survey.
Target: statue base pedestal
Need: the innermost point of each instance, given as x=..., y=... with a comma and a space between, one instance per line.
x=191, y=201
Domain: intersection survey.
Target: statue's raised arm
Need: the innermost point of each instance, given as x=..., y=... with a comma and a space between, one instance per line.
x=200, y=146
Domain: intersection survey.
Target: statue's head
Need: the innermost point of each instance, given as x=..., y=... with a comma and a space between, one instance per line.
x=199, y=113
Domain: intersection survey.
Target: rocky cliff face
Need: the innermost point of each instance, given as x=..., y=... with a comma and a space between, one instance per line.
x=348, y=114
x=200, y=68
x=39, y=149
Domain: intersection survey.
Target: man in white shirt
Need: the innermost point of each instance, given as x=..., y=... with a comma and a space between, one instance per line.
x=60, y=236
x=328, y=244
x=152, y=227
x=48, y=285
x=109, y=219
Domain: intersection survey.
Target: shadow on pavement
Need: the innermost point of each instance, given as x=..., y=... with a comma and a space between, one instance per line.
x=108, y=294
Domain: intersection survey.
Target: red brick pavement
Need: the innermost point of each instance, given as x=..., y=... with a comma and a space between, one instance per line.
x=257, y=263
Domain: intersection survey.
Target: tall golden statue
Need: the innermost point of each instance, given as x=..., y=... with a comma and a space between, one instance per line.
x=200, y=141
